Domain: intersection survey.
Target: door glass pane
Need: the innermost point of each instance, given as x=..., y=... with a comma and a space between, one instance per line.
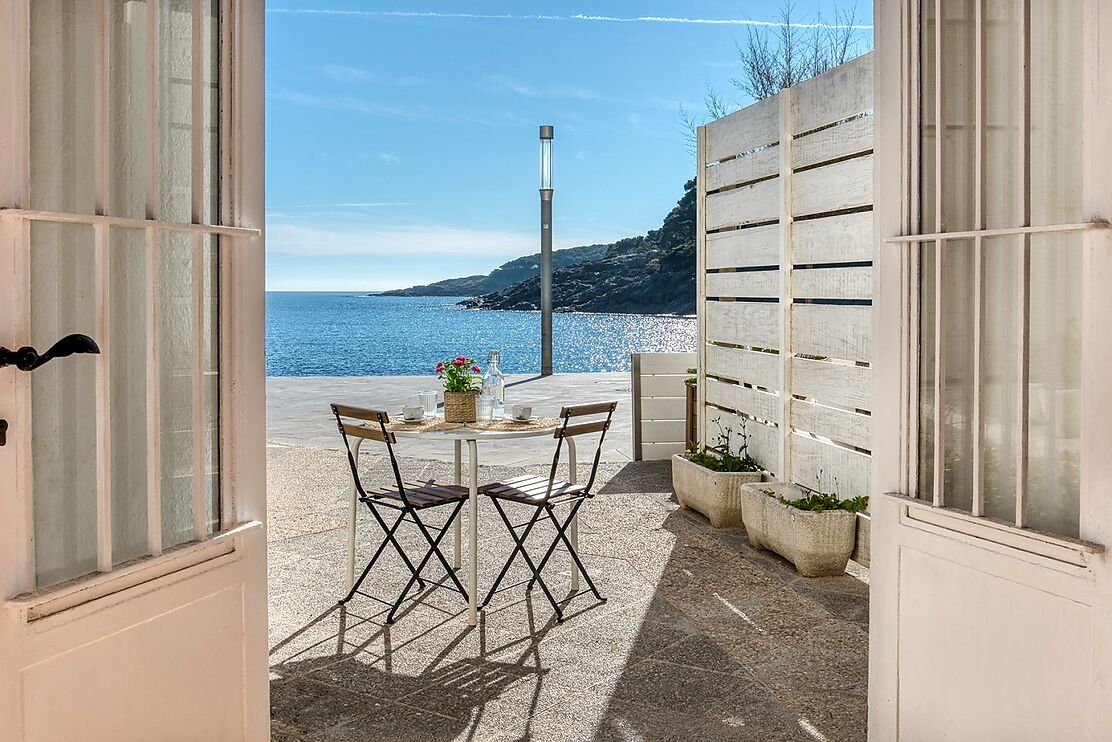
x=128, y=83
x=927, y=275
x=1054, y=413
x=175, y=130
x=211, y=303
x=1001, y=192
x=956, y=313
x=210, y=116
x=63, y=33
x=959, y=139
x=128, y=354
x=1000, y=375
x=176, y=377
x=63, y=400
x=928, y=128
x=1056, y=106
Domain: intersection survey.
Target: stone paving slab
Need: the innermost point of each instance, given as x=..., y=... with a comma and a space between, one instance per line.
x=298, y=414
x=702, y=637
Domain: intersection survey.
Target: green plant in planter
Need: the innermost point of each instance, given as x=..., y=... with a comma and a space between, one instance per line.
x=694, y=378
x=817, y=501
x=723, y=458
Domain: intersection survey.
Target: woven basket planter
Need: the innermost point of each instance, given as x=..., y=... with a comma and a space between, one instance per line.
x=715, y=494
x=817, y=543
x=459, y=407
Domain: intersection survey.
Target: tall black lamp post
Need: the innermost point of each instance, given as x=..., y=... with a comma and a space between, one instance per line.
x=546, y=250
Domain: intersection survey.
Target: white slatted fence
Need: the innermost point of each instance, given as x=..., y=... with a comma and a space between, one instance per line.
x=785, y=279
x=660, y=403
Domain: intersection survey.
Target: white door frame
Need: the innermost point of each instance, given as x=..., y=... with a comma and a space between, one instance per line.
x=1075, y=574
x=41, y=628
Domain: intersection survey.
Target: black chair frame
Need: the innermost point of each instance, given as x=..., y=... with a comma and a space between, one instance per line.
x=406, y=506
x=545, y=508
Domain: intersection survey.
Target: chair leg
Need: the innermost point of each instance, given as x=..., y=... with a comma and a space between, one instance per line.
x=520, y=548
x=434, y=544
x=389, y=539
x=435, y=549
x=519, y=545
x=561, y=535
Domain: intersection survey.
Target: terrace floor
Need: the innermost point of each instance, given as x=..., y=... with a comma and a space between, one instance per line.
x=702, y=638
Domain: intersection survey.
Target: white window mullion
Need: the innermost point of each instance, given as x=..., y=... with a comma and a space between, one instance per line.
x=227, y=214
x=197, y=130
x=1024, y=277
x=978, y=505
x=154, y=291
x=103, y=288
x=939, y=265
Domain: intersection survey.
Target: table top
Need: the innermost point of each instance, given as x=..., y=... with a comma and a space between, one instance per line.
x=507, y=428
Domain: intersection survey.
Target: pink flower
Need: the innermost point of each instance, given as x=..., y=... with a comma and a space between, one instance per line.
x=476, y=369
x=459, y=361
x=440, y=367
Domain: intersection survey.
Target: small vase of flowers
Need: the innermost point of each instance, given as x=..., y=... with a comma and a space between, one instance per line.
x=462, y=383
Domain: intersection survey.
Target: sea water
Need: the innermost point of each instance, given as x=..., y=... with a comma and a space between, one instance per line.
x=356, y=334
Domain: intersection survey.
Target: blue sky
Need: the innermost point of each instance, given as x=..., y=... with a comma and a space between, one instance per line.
x=402, y=137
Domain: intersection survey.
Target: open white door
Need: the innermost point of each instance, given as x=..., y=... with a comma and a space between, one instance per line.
x=132, y=483
x=991, y=589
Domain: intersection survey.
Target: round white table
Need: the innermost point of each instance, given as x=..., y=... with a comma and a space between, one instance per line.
x=472, y=436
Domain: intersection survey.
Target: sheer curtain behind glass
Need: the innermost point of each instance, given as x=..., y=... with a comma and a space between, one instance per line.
x=1052, y=196
x=62, y=277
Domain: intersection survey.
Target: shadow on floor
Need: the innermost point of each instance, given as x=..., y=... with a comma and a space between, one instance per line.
x=703, y=638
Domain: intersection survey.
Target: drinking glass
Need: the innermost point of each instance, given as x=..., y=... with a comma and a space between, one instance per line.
x=484, y=408
x=427, y=400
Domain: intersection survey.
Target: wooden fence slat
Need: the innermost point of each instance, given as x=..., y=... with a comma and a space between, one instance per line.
x=833, y=239
x=850, y=428
x=832, y=283
x=760, y=164
x=744, y=130
x=660, y=451
x=662, y=386
x=833, y=384
x=661, y=431
x=667, y=363
x=764, y=440
x=754, y=324
x=746, y=205
x=743, y=248
x=830, y=468
x=762, y=405
x=663, y=408
x=840, y=332
x=850, y=138
x=843, y=185
x=834, y=95
x=745, y=284
x=736, y=364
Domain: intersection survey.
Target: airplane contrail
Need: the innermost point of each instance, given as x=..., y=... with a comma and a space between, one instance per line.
x=581, y=17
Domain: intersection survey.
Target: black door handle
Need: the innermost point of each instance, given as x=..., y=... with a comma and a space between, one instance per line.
x=28, y=359
x=3, y=432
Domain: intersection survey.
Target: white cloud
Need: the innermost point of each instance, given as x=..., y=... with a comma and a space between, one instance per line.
x=414, y=112
x=306, y=239
x=578, y=17
x=343, y=73
x=389, y=157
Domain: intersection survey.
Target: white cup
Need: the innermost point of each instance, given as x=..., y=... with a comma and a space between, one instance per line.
x=522, y=411
x=413, y=412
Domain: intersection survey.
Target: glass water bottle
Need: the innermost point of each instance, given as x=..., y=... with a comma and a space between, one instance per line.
x=494, y=384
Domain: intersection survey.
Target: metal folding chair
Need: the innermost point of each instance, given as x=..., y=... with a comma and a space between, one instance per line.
x=544, y=495
x=407, y=499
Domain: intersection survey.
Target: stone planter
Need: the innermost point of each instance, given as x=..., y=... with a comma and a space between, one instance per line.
x=715, y=494
x=818, y=544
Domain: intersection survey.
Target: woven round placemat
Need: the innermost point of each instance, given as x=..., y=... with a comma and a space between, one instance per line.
x=432, y=425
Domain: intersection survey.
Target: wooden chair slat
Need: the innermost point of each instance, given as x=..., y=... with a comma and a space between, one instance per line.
x=360, y=413
x=582, y=429
x=368, y=433
x=590, y=408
